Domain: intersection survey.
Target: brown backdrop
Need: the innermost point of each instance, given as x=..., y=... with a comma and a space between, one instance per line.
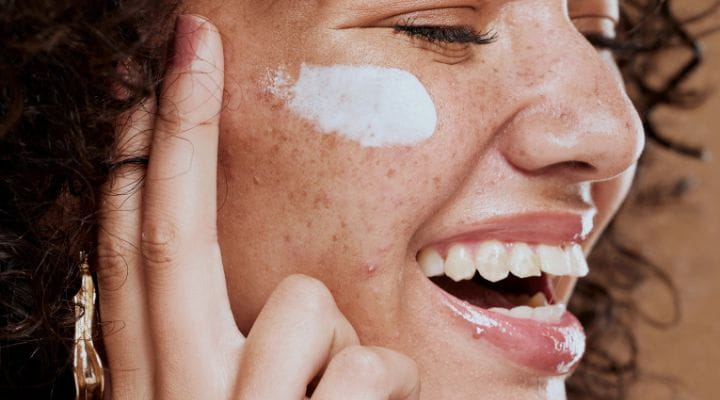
x=682, y=235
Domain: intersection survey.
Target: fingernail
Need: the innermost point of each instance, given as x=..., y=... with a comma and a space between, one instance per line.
x=188, y=33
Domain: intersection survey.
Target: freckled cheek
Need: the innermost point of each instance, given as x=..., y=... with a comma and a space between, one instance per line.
x=319, y=179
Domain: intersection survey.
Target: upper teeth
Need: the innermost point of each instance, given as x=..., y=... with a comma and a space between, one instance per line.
x=494, y=260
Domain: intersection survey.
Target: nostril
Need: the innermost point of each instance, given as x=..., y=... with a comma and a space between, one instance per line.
x=579, y=166
x=572, y=167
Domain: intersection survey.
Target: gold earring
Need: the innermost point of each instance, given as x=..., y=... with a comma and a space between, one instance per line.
x=88, y=369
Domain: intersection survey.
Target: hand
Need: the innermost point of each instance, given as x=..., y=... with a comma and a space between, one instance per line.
x=169, y=329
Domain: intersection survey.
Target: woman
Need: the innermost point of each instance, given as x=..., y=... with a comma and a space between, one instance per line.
x=342, y=199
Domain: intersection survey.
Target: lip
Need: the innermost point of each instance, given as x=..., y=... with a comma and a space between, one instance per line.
x=549, y=228
x=552, y=348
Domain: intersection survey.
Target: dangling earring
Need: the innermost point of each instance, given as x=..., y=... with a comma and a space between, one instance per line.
x=88, y=370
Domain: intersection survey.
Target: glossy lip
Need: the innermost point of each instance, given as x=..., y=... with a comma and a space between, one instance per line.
x=552, y=348
x=534, y=228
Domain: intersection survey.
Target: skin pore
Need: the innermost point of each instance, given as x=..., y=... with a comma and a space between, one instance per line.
x=524, y=127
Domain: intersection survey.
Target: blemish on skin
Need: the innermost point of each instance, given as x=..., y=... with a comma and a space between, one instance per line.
x=391, y=172
x=371, y=268
x=374, y=106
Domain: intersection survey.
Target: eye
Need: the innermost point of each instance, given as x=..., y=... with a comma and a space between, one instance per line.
x=446, y=34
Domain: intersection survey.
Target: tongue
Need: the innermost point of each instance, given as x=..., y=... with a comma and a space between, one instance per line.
x=473, y=293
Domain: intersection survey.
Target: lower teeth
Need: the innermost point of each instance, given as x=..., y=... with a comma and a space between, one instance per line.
x=543, y=314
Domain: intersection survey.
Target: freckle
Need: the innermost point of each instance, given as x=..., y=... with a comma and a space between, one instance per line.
x=309, y=224
x=322, y=199
x=334, y=238
x=286, y=237
x=329, y=142
x=391, y=173
x=438, y=182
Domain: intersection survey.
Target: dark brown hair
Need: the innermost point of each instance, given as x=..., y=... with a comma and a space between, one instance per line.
x=58, y=63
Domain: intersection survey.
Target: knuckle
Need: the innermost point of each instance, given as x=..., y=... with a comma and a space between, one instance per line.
x=362, y=363
x=316, y=297
x=180, y=117
x=160, y=243
x=113, y=258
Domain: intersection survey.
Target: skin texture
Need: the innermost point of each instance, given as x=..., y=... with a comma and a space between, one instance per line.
x=524, y=125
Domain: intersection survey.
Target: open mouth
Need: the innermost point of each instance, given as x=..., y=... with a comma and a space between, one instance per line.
x=530, y=298
x=513, y=279
x=506, y=292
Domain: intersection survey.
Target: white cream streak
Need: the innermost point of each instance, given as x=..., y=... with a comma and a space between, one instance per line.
x=374, y=106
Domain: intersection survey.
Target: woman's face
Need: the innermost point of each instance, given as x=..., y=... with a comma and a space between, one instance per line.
x=533, y=141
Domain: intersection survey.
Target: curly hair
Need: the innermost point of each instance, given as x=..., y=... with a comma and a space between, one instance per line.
x=58, y=61
x=58, y=64
x=603, y=301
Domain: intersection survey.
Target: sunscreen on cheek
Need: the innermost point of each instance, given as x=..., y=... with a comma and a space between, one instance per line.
x=374, y=106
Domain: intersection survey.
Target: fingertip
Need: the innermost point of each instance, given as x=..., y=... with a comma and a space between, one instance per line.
x=196, y=38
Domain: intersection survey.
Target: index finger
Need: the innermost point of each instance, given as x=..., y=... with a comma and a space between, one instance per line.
x=184, y=275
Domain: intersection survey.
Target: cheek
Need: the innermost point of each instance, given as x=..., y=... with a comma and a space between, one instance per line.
x=338, y=152
x=294, y=200
x=304, y=193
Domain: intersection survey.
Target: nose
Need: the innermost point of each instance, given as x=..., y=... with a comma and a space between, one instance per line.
x=574, y=118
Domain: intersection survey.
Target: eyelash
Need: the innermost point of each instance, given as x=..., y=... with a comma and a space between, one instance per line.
x=467, y=35
x=446, y=34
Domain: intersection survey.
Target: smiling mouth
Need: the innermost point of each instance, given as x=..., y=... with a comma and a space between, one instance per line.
x=513, y=279
x=506, y=293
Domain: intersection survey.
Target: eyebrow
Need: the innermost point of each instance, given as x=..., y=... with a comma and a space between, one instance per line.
x=367, y=5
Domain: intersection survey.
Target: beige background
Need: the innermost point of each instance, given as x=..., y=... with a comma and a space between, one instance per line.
x=683, y=236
